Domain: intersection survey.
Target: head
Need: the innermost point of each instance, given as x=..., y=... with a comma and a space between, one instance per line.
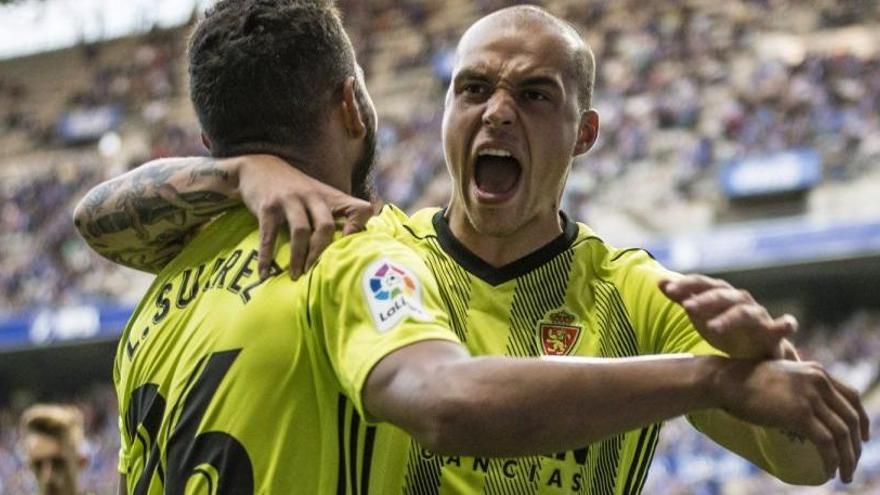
x=280, y=77
x=53, y=443
x=517, y=113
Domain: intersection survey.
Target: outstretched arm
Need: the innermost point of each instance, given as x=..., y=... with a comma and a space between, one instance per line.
x=145, y=217
x=496, y=406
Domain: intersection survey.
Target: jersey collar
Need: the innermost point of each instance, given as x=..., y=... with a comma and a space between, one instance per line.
x=497, y=276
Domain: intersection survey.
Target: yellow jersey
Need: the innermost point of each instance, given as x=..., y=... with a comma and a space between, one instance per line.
x=576, y=296
x=230, y=385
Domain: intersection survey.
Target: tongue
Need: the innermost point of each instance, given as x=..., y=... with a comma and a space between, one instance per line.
x=496, y=174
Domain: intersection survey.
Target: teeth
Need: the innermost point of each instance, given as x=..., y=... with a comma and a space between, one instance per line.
x=493, y=152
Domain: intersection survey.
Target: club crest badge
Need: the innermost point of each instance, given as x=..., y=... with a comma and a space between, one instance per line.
x=558, y=335
x=393, y=293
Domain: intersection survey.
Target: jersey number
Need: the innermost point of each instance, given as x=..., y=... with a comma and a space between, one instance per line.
x=214, y=459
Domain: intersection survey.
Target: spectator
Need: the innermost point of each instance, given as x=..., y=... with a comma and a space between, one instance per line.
x=54, y=447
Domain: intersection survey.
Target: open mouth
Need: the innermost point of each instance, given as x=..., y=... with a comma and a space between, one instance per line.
x=496, y=173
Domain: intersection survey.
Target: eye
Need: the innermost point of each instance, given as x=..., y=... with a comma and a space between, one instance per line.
x=532, y=95
x=475, y=88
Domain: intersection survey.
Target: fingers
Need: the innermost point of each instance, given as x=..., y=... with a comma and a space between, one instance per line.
x=850, y=418
x=751, y=316
x=323, y=228
x=300, y=230
x=838, y=407
x=841, y=439
x=853, y=399
x=269, y=222
x=356, y=213
x=681, y=288
x=786, y=350
x=824, y=441
x=711, y=302
x=744, y=331
x=785, y=325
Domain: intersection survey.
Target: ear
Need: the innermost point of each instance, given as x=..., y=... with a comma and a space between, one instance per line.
x=206, y=141
x=351, y=112
x=588, y=131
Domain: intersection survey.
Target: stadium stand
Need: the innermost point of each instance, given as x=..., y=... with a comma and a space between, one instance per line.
x=691, y=94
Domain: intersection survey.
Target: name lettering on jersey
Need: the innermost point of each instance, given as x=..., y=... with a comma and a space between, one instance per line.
x=393, y=293
x=559, y=333
x=184, y=288
x=565, y=475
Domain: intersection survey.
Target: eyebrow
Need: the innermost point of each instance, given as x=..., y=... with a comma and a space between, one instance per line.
x=540, y=81
x=479, y=74
x=471, y=74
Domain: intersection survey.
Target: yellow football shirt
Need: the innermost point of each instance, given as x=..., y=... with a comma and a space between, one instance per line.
x=576, y=296
x=229, y=385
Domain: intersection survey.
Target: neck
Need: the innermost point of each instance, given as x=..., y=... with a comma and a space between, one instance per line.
x=325, y=171
x=500, y=250
x=329, y=169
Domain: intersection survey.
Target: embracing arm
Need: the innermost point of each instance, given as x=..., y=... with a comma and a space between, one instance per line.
x=144, y=218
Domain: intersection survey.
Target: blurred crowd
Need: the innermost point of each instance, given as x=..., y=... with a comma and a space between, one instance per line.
x=682, y=88
x=686, y=463
x=45, y=263
x=136, y=77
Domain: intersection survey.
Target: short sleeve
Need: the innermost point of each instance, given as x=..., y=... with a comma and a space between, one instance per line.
x=370, y=296
x=662, y=326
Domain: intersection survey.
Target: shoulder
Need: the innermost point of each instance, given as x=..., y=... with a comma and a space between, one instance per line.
x=389, y=220
x=356, y=252
x=629, y=267
x=393, y=221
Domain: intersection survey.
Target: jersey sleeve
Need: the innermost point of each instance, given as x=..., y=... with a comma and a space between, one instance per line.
x=370, y=296
x=662, y=326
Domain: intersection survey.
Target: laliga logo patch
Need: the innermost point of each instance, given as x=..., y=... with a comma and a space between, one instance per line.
x=557, y=333
x=392, y=293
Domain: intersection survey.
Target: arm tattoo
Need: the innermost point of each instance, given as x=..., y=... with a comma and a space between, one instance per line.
x=143, y=218
x=207, y=170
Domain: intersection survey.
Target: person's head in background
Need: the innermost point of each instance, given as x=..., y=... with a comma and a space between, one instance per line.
x=52, y=437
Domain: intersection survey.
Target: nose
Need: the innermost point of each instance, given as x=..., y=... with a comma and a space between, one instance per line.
x=45, y=473
x=499, y=110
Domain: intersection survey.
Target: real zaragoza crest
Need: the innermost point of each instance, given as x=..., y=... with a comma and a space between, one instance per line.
x=557, y=333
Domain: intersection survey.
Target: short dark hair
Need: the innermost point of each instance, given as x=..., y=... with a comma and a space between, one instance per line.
x=262, y=72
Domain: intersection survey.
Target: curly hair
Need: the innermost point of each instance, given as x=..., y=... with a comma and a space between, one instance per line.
x=262, y=72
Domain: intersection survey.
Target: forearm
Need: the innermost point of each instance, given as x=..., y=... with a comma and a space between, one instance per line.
x=512, y=407
x=788, y=456
x=143, y=218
